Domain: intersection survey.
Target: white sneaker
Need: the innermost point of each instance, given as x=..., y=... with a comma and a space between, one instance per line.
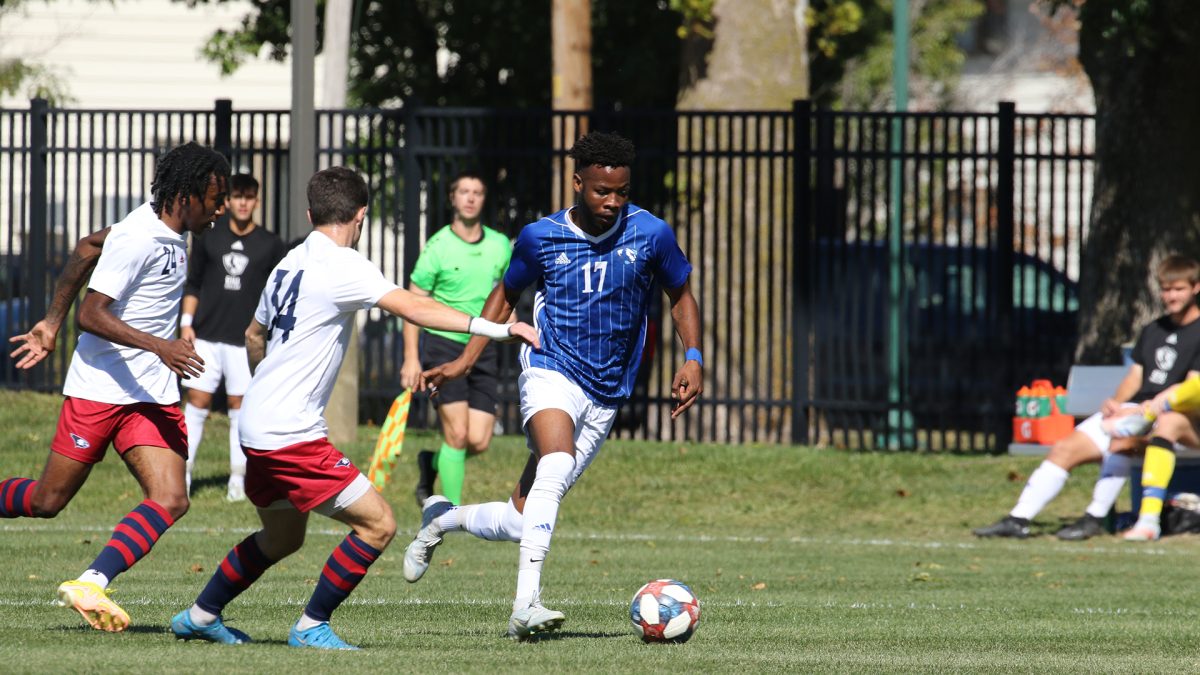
x=420, y=551
x=237, y=489
x=534, y=619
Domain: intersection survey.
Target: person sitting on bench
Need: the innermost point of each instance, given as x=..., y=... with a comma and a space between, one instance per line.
x=1171, y=416
x=1167, y=352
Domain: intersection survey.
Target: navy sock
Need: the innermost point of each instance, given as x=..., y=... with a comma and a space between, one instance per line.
x=132, y=539
x=241, y=568
x=16, y=495
x=345, y=568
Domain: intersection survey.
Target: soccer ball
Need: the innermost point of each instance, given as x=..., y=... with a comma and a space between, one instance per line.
x=665, y=610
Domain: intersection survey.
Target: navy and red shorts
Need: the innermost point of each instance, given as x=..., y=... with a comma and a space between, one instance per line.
x=86, y=428
x=305, y=474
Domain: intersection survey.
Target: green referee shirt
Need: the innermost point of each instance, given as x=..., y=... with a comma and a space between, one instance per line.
x=461, y=274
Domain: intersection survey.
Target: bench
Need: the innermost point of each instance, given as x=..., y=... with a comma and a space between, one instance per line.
x=1087, y=388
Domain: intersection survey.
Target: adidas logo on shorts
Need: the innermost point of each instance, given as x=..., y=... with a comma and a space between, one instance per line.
x=544, y=527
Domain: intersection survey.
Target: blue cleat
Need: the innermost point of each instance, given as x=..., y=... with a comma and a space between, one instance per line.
x=185, y=629
x=320, y=636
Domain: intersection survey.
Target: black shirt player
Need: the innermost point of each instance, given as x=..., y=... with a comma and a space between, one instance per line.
x=228, y=269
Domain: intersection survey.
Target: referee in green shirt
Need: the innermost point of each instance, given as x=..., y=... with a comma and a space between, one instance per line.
x=459, y=266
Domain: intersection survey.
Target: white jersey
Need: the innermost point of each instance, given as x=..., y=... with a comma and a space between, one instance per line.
x=307, y=306
x=142, y=267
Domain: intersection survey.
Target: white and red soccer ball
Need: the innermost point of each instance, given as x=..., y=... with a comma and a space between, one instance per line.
x=665, y=610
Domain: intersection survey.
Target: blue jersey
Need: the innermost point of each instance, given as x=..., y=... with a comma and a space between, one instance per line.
x=593, y=294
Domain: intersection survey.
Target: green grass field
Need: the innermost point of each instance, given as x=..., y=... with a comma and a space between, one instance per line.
x=804, y=561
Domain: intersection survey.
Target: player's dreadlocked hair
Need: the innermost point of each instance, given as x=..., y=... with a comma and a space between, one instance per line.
x=184, y=173
x=602, y=149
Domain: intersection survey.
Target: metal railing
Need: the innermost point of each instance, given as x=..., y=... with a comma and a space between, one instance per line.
x=785, y=216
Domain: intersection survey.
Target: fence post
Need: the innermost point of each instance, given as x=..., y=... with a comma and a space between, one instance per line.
x=412, y=191
x=1005, y=259
x=223, y=134
x=37, y=255
x=801, y=230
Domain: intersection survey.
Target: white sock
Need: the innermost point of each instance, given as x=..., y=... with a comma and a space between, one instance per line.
x=307, y=622
x=541, y=511
x=1114, y=471
x=194, y=418
x=202, y=617
x=494, y=521
x=237, y=458
x=94, y=577
x=1044, y=484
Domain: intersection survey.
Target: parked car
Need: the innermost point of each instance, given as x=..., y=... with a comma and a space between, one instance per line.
x=957, y=354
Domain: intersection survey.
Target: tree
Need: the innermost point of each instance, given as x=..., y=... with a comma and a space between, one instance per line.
x=457, y=53
x=19, y=75
x=850, y=50
x=1146, y=195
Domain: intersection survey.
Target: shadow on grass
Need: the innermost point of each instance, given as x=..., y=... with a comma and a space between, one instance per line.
x=570, y=635
x=220, y=481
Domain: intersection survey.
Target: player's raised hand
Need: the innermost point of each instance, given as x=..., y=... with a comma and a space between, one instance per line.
x=33, y=347
x=525, y=333
x=181, y=357
x=686, y=387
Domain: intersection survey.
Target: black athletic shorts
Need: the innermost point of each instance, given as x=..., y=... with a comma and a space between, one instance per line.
x=478, y=388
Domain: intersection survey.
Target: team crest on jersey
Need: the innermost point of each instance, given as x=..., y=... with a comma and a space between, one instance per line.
x=1172, y=339
x=80, y=442
x=1165, y=357
x=342, y=462
x=629, y=253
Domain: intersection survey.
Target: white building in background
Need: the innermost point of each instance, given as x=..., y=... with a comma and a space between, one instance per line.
x=1019, y=52
x=139, y=54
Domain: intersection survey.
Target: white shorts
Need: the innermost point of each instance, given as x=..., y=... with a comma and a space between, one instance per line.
x=221, y=360
x=1093, y=428
x=543, y=389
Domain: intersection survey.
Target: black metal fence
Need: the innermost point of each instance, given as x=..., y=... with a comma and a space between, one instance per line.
x=793, y=283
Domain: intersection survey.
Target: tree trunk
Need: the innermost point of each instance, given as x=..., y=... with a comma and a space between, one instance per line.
x=1146, y=201
x=571, y=87
x=757, y=62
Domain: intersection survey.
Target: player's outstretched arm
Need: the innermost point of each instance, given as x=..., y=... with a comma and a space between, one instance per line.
x=497, y=309
x=96, y=318
x=689, y=379
x=410, y=370
x=33, y=347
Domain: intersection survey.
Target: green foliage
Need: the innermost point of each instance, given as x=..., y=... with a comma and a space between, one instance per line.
x=804, y=561
x=698, y=18
x=850, y=48
x=20, y=77
x=499, y=53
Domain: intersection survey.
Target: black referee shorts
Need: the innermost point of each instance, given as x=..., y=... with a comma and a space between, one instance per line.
x=478, y=388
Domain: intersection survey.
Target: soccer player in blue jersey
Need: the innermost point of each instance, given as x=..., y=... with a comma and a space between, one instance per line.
x=595, y=266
